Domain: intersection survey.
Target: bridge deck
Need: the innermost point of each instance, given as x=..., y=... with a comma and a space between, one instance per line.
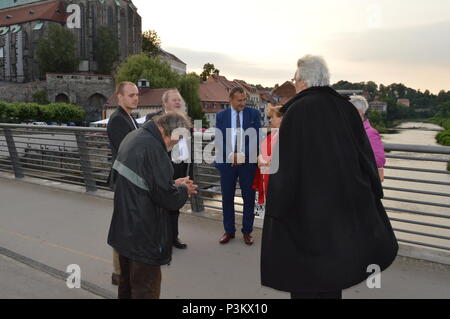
x=58, y=228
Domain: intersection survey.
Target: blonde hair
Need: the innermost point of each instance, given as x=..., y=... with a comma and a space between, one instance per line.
x=272, y=110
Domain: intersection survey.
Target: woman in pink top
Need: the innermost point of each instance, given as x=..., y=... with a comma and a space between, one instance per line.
x=361, y=105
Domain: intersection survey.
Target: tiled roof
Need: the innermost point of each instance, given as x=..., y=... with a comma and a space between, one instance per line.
x=287, y=89
x=49, y=10
x=213, y=92
x=147, y=97
x=222, y=80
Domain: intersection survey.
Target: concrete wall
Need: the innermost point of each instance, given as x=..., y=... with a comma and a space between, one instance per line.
x=21, y=92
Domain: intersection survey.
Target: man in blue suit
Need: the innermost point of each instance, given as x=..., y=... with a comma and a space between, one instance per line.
x=237, y=142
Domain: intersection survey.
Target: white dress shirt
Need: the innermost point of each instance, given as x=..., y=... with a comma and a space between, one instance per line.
x=233, y=128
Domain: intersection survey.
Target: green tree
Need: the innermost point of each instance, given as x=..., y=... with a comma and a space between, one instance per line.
x=189, y=87
x=444, y=110
x=106, y=49
x=151, y=43
x=57, y=53
x=7, y=113
x=142, y=66
x=208, y=69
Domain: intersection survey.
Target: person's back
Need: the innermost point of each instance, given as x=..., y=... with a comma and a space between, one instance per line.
x=324, y=221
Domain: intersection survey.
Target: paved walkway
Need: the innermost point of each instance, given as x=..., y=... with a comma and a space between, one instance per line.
x=58, y=228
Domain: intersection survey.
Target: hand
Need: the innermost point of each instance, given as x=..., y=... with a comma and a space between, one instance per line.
x=238, y=159
x=180, y=181
x=191, y=188
x=262, y=162
x=381, y=173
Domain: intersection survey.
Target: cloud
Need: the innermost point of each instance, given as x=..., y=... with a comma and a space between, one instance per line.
x=232, y=67
x=425, y=45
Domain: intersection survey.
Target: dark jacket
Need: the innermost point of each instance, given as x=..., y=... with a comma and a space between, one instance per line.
x=119, y=125
x=145, y=193
x=325, y=223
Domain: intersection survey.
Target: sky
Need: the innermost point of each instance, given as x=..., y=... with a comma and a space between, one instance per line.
x=260, y=41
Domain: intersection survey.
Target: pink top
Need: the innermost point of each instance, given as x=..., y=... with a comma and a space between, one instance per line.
x=375, y=142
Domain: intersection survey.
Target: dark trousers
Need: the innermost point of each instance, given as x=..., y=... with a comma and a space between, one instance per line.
x=138, y=280
x=228, y=179
x=317, y=295
x=179, y=171
x=174, y=221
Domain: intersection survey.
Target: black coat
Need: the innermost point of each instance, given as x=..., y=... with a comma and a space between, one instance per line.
x=325, y=223
x=119, y=125
x=145, y=193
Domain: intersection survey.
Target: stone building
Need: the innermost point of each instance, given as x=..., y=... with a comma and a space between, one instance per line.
x=87, y=90
x=23, y=23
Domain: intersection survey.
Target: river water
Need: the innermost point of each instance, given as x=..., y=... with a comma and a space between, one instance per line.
x=416, y=136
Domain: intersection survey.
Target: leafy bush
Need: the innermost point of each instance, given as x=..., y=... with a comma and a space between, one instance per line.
x=56, y=112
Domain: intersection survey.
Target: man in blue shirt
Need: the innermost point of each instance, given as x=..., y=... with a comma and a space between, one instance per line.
x=236, y=156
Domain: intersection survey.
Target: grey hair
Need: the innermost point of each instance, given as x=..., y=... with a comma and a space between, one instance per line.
x=360, y=103
x=313, y=70
x=165, y=98
x=171, y=121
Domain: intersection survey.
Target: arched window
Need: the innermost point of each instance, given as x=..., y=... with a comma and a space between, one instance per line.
x=62, y=98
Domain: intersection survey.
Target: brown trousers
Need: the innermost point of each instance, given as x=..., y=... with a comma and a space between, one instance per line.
x=116, y=263
x=138, y=280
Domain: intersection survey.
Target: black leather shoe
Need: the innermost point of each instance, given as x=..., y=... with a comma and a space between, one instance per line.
x=179, y=244
x=115, y=278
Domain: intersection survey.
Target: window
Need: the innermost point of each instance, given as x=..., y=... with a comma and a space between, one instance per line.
x=38, y=26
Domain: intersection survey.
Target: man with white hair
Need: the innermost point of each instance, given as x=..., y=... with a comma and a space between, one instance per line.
x=325, y=223
x=362, y=106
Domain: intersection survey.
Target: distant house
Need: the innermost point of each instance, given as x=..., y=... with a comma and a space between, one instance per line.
x=404, y=102
x=378, y=106
x=175, y=63
x=214, y=97
x=283, y=93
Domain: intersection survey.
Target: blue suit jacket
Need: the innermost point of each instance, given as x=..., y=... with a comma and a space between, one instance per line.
x=252, y=119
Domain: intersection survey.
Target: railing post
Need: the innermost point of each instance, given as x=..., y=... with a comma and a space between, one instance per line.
x=196, y=202
x=86, y=167
x=15, y=160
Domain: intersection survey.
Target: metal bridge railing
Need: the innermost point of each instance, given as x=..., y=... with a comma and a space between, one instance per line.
x=417, y=183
